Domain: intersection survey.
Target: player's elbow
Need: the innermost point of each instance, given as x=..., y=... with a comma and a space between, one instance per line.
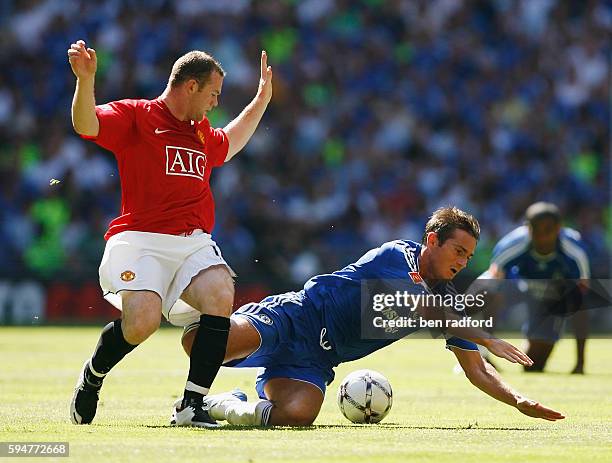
x=86, y=131
x=87, y=127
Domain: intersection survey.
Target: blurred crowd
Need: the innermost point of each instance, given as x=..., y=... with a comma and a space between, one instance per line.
x=382, y=111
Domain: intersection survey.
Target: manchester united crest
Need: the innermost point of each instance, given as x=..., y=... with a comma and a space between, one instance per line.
x=128, y=275
x=201, y=136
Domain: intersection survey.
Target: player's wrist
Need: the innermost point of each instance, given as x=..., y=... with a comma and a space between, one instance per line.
x=86, y=79
x=522, y=403
x=261, y=98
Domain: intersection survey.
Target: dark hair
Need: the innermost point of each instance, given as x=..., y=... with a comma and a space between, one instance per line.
x=196, y=65
x=445, y=220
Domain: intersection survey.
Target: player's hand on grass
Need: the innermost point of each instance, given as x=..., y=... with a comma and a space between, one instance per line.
x=83, y=60
x=537, y=410
x=507, y=351
x=265, y=79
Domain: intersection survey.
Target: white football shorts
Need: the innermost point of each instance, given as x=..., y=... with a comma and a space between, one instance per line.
x=165, y=264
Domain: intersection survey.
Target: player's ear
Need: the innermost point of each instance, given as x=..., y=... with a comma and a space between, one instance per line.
x=192, y=86
x=432, y=239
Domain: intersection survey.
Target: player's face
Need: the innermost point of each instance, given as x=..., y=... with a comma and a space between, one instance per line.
x=544, y=234
x=453, y=255
x=206, y=97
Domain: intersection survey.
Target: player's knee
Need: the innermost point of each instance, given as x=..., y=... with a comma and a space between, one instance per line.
x=211, y=293
x=220, y=301
x=138, y=329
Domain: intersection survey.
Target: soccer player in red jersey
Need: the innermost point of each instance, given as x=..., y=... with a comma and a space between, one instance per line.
x=159, y=249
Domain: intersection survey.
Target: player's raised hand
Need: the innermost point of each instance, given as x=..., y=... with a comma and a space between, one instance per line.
x=537, y=410
x=265, y=79
x=509, y=352
x=83, y=60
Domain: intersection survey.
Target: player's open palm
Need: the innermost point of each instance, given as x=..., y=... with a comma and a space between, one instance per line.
x=507, y=351
x=537, y=410
x=83, y=60
x=265, y=79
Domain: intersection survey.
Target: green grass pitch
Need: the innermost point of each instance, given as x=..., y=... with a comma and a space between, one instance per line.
x=437, y=416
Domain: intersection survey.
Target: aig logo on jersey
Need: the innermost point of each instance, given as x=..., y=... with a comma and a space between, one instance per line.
x=185, y=162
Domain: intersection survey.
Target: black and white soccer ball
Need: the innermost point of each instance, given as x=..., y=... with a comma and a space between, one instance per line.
x=365, y=396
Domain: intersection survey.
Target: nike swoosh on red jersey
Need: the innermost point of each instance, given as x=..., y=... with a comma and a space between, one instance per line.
x=158, y=131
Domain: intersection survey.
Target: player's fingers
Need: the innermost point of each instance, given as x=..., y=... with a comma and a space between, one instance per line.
x=510, y=353
x=508, y=356
x=548, y=413
x=553, y=416
x=557, y=416
x=523, y=359
x=264, y=64
x=269, y=74
x=519, y=355
x=92, y=54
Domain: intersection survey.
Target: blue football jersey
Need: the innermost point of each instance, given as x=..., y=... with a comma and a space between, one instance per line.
x=515, y=255
x=338, y=297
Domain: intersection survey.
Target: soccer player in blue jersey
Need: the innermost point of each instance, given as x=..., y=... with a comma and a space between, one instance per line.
x=537, y=253
x=298, y=338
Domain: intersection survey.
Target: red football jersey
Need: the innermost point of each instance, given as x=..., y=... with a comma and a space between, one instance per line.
x=164, y=166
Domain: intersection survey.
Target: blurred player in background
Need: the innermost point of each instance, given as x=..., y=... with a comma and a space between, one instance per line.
x=160, y=248
x=299, y=337
x=550, y=259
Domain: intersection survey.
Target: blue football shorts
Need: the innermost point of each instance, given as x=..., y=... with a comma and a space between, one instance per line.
x=287, y=349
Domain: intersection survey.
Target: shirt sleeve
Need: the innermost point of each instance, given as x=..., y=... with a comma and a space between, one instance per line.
x=511, y=247
x=117, y=122
x=216, y=143
x=573, y=247
x=460, y=344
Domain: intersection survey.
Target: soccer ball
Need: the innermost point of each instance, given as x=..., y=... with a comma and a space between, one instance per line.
x=365, y=396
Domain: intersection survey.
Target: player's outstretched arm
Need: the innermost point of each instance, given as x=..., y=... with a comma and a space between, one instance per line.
x=240, y=130
x=496, y=346
x=83, y=62
x=482, y=375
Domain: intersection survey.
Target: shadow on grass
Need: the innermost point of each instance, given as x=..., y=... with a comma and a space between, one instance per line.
x=316, y=427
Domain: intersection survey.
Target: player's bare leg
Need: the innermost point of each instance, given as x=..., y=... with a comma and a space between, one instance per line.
x=211, y=292
x=296, y=403
x=243, y=340
x=290, y=403
x=140, y=315
x=140, y=318
x=293, y=402
x=538, y=351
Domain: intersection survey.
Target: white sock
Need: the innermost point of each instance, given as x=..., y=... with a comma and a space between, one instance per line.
x=217, y=411
x=248, y=413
